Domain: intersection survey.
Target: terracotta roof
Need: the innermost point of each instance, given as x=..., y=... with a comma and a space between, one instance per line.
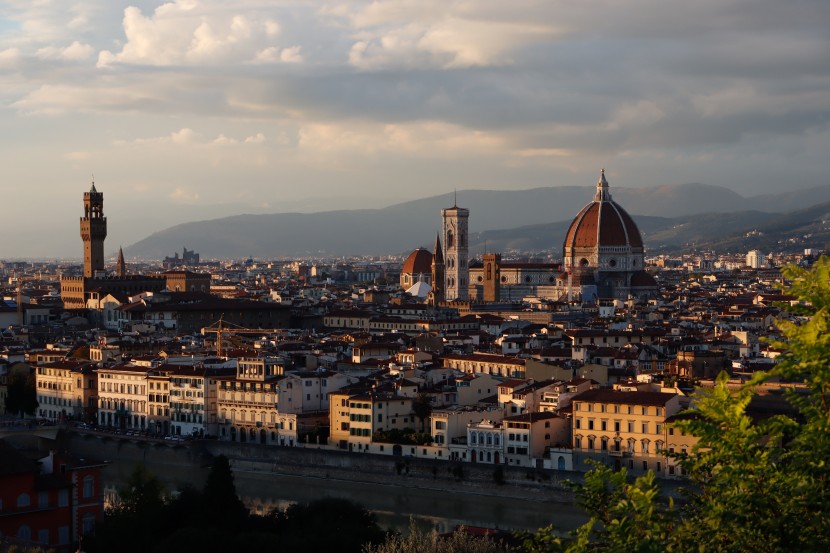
x=419, y=261
x=625, y=398
x=603, y=222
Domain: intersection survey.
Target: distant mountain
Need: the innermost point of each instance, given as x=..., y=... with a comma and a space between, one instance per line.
x=794, y=231
x=668, y=216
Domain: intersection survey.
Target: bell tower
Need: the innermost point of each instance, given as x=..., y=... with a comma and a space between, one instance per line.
x=455, y=223
x=93, y=231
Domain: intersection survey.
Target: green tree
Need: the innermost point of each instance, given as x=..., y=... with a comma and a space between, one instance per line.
x=755, y=485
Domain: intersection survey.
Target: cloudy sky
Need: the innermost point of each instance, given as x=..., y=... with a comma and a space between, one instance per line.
x=192, y=109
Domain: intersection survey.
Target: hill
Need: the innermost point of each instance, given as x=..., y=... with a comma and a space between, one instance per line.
x=535, y=219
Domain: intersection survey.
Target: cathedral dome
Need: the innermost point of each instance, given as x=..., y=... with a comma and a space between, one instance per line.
x=603, y=223
x=419, y=261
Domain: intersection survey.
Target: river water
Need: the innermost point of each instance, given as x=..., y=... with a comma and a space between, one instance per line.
x=393, y=504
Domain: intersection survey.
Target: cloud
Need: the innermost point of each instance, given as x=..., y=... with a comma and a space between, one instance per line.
x=9, y=58
x=74, y=52
x=185, y=32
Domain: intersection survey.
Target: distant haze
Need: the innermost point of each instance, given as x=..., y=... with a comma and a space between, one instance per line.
x=189, y=110
x=502, y=220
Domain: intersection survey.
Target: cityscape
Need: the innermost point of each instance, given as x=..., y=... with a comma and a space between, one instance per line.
x=414, y=277
x=432, y=359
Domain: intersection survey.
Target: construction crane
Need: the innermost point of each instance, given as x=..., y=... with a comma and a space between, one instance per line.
x=223, y=328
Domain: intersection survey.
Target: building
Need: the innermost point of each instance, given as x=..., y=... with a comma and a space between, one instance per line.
x=455, y=222
x=603, y=251
x=527, y=437
x=355, y=419
x=51, y=502
x=487, y=363
x=93, y=232
x=122, y=396
x=492, y=280
x=622, y=428
x=187, y=281
x=247, y=403
x=66, y=390
x=417, y=268
x=189, y=257
x=755, y=259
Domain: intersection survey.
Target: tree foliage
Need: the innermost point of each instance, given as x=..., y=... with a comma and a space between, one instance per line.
x=22, y=391
x=420, y=541
x=214, y=519
x=754, y=485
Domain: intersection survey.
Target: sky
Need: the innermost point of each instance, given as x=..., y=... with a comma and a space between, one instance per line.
x=195, y=109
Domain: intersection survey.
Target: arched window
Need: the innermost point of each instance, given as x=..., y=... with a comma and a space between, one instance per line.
x=24, y=533
x=450, y=239
x=23, y=500
x=472, y=437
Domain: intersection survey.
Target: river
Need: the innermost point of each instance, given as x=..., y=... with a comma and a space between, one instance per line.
x=394, y=504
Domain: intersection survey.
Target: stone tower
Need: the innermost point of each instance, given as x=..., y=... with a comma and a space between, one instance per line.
x=455, y=252
x=492, y=277
x=93, y=231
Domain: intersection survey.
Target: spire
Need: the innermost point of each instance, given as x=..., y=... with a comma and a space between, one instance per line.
x=602, y=195
x=438, y=256
x=120, y=266
x=93, y=184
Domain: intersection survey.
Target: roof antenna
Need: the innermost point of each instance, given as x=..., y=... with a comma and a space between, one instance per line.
x=455, y=197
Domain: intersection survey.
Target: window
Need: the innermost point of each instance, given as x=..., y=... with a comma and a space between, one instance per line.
x=63, y=535
x=578, y=423
x=24, y=533
x=43, y=536
x=63, y=498
x=23, y=500
x=604, y=426
x=89, y=486
x=43, y=500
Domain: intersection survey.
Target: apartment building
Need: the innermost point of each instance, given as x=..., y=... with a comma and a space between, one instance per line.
x=622, y=428
x=487, y=363
x=122, y=396
x=527, y=437
x=246, y=404
x=66, y=390
x=356, y=417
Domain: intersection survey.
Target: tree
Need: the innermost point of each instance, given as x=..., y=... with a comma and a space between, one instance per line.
x=420, y=541
x=22, y=392
x=755, y=485
x=221, y=503
x=422, y=407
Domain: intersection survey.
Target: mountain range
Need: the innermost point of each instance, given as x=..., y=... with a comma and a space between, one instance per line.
x=670, y=217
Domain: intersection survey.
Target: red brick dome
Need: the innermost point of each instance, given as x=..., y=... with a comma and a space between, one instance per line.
x=603, y=223
x=419, y=261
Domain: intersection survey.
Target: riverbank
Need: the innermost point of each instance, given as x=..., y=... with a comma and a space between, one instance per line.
x=440, y=494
